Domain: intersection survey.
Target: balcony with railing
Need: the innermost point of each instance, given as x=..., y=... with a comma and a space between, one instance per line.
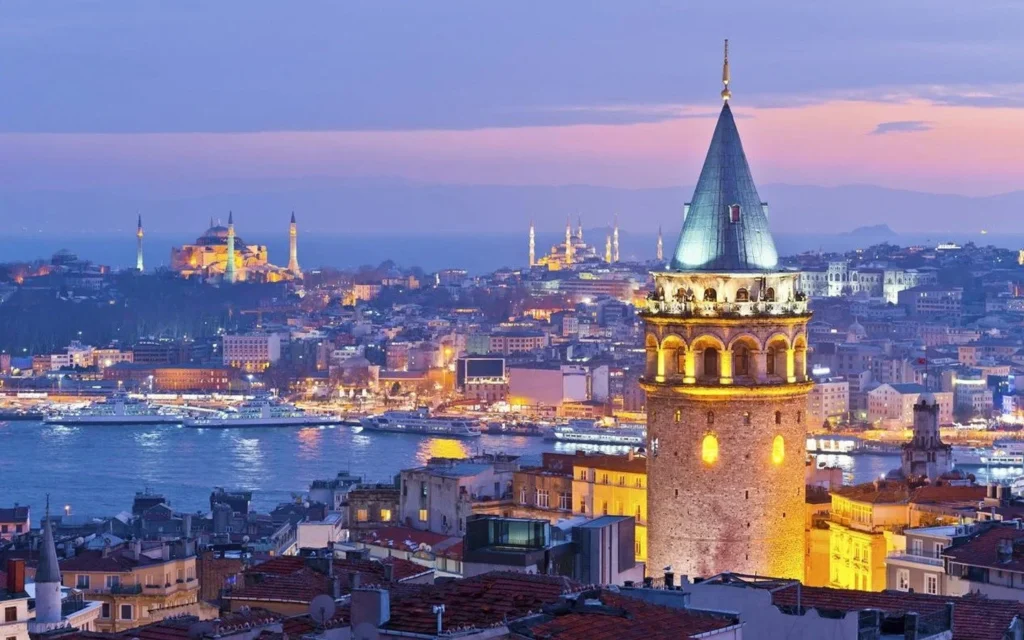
x=905, y=556
x=700, y=309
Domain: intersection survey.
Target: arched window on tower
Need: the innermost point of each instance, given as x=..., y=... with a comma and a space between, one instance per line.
x=711, y=417
x=742, y=295
x=770, y=361
x=741, y=360
x=710, y=295
x=769, y=295
x=778, y=417
x=746, y=418
x=710, y=363
x=734, y=213
x=678, y=415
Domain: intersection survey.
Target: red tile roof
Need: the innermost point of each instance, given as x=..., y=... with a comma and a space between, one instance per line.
x=982, y=550
x=609, y=616
x=973, y=618
x=118, y=560
x=288, y=579
x=930, y=494
x=400, y=537
x=480, y=602
x=178, y=628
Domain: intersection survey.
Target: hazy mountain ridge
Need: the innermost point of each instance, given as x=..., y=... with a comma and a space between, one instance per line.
x=344, y=206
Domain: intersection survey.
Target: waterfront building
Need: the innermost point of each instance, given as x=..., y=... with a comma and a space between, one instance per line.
x=251, y=351
x=828, y=401
x=891, y=406
x=136, y=583
x=726, y=381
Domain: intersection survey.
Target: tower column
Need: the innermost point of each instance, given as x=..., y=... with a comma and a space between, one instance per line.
x=725, y=366
x=791, y=365
x=690, y=367
x=758, y=365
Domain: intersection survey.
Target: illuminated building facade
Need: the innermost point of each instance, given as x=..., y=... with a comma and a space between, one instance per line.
x=726, y=381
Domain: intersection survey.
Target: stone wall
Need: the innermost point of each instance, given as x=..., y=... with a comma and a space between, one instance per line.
x=742, y=512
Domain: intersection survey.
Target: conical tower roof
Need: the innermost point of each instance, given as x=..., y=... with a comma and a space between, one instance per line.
x=49, y=568
x=716, y=236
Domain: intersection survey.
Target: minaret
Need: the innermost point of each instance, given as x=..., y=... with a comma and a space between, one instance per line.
x=615, y=240
x=48, y=609
x=726, y=382
x=661, y=247
x=608, y=248
x=229, y=269
x=579, y=228
x=293, y=248
x=568, y=241
x=138, y=246
x=533, y=246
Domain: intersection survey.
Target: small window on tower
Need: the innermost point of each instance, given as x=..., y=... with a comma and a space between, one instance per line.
x=734, y=213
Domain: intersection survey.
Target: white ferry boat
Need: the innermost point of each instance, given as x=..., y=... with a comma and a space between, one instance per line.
x=117, y=409
x=1001, y=454
x=262, y=411
x=584, y=432
x=420, y=422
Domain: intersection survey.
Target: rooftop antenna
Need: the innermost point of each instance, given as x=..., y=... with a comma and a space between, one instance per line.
x=726, y=94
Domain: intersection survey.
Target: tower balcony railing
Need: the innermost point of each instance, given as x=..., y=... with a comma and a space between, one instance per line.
x=695, y=309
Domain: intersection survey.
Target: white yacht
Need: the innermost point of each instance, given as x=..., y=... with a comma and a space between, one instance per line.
x=263, y=411
x=1001, y=454
x=117, y=409
x=420, y=422
x=585, y=432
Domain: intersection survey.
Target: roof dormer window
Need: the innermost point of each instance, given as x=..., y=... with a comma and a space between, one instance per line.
x=734, y=213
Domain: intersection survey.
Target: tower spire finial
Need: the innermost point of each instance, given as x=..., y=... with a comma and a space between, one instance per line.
x=726, y=94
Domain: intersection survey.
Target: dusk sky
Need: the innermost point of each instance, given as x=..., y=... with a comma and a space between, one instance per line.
x=178, y=97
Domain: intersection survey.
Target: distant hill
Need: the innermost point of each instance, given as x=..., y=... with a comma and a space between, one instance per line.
x=345, y=206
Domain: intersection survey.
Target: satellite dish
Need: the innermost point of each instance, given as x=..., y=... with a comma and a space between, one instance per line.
x=200, y=630
x=322, y=609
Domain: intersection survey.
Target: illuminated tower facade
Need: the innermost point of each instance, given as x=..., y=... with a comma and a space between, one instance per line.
x=615, y=241
x=661, y=248
x=293, y=248
x=229, y=268
x=138, y=246
x=608, y=248
x=726, y=381
x=533, y=246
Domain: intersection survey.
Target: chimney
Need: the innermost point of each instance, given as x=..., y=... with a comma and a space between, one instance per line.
x=1004, y=551
x=186, y=525
x=670, y=579
x=357, y=580
x=389, y=572
x=370, y=606
x=15, y=576
x=165, y=551
x=136, y=548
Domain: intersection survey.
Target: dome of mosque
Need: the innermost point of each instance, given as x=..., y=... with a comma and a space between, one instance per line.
x=217, y=235
x=856, y=332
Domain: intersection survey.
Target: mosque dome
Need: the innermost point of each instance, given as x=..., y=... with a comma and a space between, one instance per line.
x=217, y=235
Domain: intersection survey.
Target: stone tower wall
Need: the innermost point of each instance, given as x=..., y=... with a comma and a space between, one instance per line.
x=745, y=511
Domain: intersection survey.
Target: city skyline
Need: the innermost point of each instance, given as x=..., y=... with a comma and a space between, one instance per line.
x=190, y=105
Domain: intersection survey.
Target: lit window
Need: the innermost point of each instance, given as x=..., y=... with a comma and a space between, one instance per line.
x=709, y=449
x=679, y=415
x=362, y=515
x=423, y=515
x=778, y=450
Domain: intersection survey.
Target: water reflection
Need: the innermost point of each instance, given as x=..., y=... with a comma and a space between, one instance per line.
x=441, y=448
x=248, y=463
x=309, y=443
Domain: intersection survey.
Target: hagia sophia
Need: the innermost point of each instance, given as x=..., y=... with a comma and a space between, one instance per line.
x=207, y=257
